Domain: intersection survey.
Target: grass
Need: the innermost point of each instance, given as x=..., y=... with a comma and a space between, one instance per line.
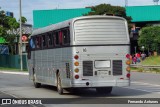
x=11, y=69
x=153, y=60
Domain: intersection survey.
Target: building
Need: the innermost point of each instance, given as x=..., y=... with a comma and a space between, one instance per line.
x=142, y=16
x=42, y=18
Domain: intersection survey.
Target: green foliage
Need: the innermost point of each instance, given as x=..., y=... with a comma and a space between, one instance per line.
x=150, y=38
x=23, y=19
x=152, y=60
x=2, y=31
x=107, y=9
x=13, y=24
x=9, y=24
x=104, y=9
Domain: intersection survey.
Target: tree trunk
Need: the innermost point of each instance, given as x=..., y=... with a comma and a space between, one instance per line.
x=155, y=53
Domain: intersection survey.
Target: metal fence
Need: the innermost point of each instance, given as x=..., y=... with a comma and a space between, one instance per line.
x=12, y=61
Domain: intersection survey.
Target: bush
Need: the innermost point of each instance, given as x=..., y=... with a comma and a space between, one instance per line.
x=150, y=38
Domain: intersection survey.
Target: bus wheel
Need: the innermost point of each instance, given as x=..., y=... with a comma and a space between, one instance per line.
x=59, y=85
x=36, y=85
x=104, y=90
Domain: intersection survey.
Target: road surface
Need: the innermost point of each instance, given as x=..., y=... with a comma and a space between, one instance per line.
x=143, y=85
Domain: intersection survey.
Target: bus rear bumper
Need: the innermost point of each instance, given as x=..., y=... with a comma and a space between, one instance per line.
x=90, y=84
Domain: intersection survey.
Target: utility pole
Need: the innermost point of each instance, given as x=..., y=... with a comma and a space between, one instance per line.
x=20, y=37
x=126, y=3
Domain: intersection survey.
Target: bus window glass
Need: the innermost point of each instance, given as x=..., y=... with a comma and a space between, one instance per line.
x=38, y=42
x=60, y=37
x=32, y=43
x=44, y=40
x=57, y=38
x=66, y=37
x=50, y=39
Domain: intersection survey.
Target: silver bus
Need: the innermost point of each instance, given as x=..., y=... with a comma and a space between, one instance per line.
x=83, y=52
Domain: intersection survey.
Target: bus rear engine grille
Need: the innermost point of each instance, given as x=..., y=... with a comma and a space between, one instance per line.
x=87, y=68
x=117, y=67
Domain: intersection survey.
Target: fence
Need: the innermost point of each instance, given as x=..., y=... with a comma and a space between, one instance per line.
x=146, y=67
x=12, y=61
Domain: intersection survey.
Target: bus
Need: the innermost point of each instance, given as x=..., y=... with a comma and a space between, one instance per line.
x=83, y=52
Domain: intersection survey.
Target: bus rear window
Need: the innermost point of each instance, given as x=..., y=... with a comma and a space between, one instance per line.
x=101, y=31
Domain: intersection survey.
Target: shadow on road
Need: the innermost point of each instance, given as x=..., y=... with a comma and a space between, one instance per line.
x=91, y=92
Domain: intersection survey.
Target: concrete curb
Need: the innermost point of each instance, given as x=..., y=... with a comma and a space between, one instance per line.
x=14, y=72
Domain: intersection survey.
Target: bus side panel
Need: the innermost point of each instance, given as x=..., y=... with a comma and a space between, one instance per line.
x=31, y=65
x=48, y=62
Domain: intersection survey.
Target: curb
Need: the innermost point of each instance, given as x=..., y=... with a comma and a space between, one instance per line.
x=13, y=72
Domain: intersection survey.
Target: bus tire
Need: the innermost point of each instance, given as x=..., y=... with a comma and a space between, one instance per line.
x=36, y=85
x=59, y=85
x=104, y=90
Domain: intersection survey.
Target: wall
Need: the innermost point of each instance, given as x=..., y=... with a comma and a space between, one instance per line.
x=12, y=61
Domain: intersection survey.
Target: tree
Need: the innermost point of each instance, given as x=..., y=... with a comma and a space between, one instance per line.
x=104, y=9
x=150, y=38
x=8, y=27
x=2, y=23
x=23, y=19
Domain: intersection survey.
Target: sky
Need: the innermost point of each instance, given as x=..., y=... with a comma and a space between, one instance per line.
x=29, y=5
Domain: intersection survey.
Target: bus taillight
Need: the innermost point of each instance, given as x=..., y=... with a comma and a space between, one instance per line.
x=76, y=57
x=76, y=76
x=76, y=70
x=128, y=68
x=76, y=63
x=128, y=62
x=128, y=56
x=128, y=75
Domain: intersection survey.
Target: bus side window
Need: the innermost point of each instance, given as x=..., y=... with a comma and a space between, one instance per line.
x=60, y=37
x=38, y=42
x=66, y=37
x=29, y=50
x=32, y=43
x=44, y=41
x=53, y=38
x=50, y=39
x=57, y=38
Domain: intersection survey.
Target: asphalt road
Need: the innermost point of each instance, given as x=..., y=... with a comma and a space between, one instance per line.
x=143, y=85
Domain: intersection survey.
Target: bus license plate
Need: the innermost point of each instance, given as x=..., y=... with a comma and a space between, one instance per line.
x=103, y=73
x=102, y=64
